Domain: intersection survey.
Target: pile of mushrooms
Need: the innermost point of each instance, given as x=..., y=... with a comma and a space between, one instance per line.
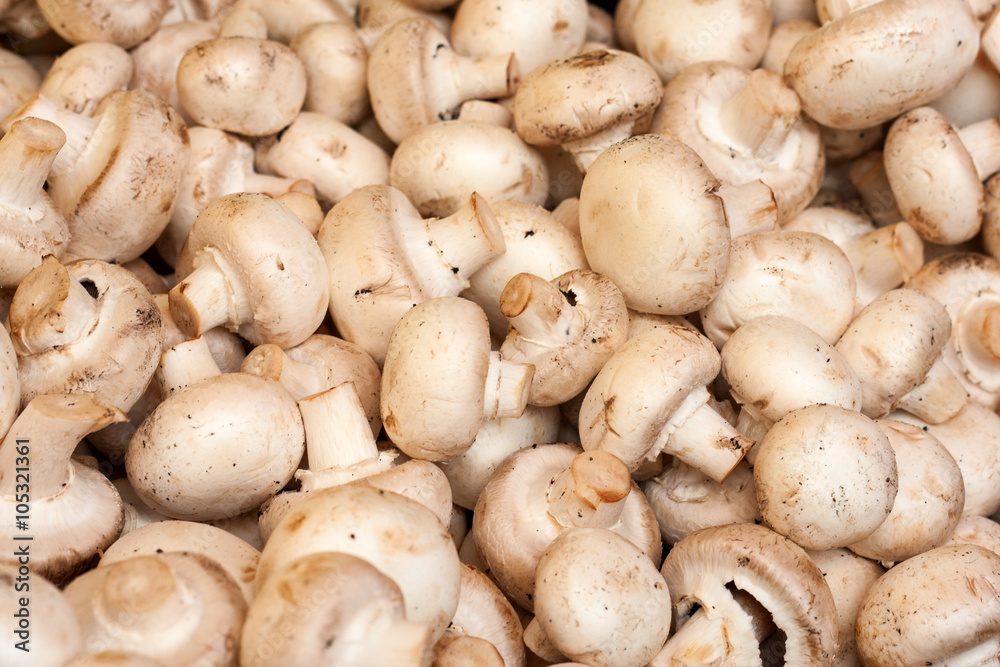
x=439, y=333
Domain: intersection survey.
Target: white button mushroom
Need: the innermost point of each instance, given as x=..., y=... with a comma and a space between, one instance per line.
x=336, y=64
x=105, y=20
x=84, y=74
x=51, y=634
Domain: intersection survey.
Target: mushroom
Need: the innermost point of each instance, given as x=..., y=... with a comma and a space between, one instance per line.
x=237, y=558
x=800, y=275
x=118, y=174
x=72, y=509
x=651, y=397
x=10, y=384
x=104, y=20
x=867, y=175
x=287, y=18
x=585, y=102
x=438, y=165
x=826, y=477
x=87, y=328
x=864, y=51
x=543, y=490
x=242, y=82
x=590, y=609
x=746, y=125
x=80, y=78
x=936, y=171
x=977, y=95
x=19, y=80
x=415, y=78
x=45, y=630
x=249, y=437
x=374, y=17
x=176, y=608
x=332, y=608
x=250, y=264
x=894, y=345
x=318, y=363
x=384, y=259
x=736, y=590
x=979, y=530
x=937, y=607
x=336, y=65
x=440, y=380
x=784, y=35
x=31, y=227
x=397, y=535
x=567, y=329
x=668, y=255
x=537, y=32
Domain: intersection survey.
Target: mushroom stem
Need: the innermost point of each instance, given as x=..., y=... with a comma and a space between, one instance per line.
x=702, y=438
x=586, y=150
x=759, y=117
x=41, y=441
x=339, y=441
x=507, y=386
x=27, y=152
x=185, y=364
x=76, y=127
x=299, y=378
x=982, y=140
x=541, y=312
x=143, y=595
x=207, y=298
x=485, y=78
x=884, y=259
x=977, y=335
x=750, y=207
x=752, y=425
x=468, y=238
x=938, y=398
x=49, y=309
x=591, y=492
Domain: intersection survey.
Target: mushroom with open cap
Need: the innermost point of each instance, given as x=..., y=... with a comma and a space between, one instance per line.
x=75, y=511
x=384, y=258
x=543, y=490
x=800, y=275
x=651, y=221
x=53, y=638
x=894, y=345
x=826, y=476
x=651, y=397
x=586, y=102
x=179, y=609
x=567, y=328
x=857, y=72
x=600, y=600
x=250, y=264
x=124, y=24
x=397, y=535
x=939, y=607
x=31, y=227
x=736, y=590
x=415, y=78
x=746, y=125
x=440, y=379
x=936, y=171
x=332, y=608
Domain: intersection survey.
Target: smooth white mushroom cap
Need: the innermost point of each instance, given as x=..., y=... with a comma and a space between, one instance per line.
x=84, y=74
x=485, y=613
x=125, y=24
x=51, y=634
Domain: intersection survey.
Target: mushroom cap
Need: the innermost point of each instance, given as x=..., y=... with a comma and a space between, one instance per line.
x=434, y=377
x=578, y=96
x=772, y=569
x=512, y=525
x=85, y=73
x=54, y=638
x=979, y=530
x=176, y=608
x=398, y=536
x=438, y=165
x=932, y=607
x=254, y=87
x=599, y=599
x=10, y=384
x=563, y=371
x=125, y=24
x=892, y=344
x=800, y=275
x=928, y=503
x=336, y=63
x=243, y=458
x=651, y=222
x=860, y=70
x=324, y=608
x=236, y=557
x=775, y=364
x=933, y=177
x=826, y=476
x=274, y=258
x=638, y=390
x=484, y=612
x=115, y=361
